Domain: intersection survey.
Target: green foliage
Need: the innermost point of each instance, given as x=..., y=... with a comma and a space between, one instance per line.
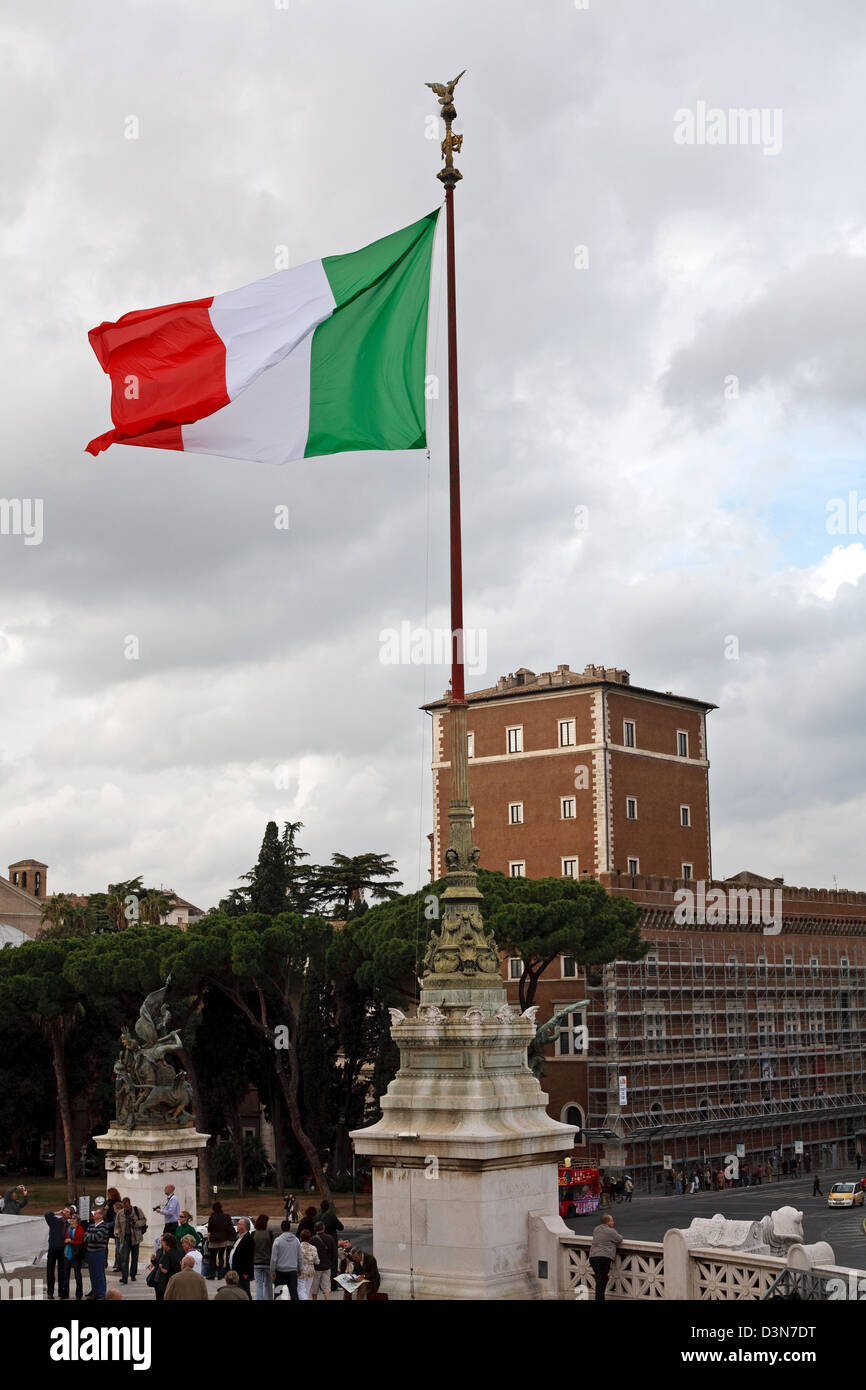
x=257, y=1169
x=268, y=882
x=346, y=880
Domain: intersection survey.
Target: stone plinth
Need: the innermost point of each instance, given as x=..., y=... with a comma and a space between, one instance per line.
x=465, y=1150
x=139, y=1162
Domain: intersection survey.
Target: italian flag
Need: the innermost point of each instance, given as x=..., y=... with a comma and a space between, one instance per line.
x=322, y=359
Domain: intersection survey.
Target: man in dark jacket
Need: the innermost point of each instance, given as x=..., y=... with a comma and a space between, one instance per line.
x=97, y=1250
x=326, y=1248
x=241, y=1256
x=57, y=1261
x=130, y=1224
x=15, y=1200
x=330, y=1219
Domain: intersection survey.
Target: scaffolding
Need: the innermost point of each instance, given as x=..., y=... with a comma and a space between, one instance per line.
x=748, y=1039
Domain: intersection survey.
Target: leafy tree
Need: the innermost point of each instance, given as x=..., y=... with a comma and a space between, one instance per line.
x=63, y=916
x=33, y=988
x=259, y=962
x=154, y=906
x=268, y=880
x=539, y=919
x=346, y=881
x=120, y=911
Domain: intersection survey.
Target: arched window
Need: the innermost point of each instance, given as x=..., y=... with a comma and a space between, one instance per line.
x=572, y=1114
x=657, y=1113
x=704, y=1111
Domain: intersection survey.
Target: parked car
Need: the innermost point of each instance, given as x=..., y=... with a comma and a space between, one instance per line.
x=845, y=1194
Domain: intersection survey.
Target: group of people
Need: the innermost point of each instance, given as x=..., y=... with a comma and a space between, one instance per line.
x=253, y=1260
x=711, y=1179
x=74, y=1245
x=616, y=1190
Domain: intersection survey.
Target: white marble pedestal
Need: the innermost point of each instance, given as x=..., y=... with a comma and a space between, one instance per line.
x=464, y=1151
x=139, y=1163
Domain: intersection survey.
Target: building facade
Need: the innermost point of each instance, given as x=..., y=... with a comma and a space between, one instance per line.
x=580, y=773
x=743, y=1031
x=727, y=1038
x=22, y=896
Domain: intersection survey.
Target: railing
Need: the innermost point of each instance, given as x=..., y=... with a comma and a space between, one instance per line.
x=639, y=1272
x=672, y=1270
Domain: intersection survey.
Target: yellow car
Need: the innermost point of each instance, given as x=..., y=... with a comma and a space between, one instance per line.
x=845, y=1194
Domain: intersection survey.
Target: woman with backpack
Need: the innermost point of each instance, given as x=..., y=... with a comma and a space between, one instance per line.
x=130, y=1224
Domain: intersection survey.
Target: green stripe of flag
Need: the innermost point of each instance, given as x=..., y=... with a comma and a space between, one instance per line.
x=368, y=360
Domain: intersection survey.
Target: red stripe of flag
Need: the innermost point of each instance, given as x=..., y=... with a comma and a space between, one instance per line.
x=167, y=368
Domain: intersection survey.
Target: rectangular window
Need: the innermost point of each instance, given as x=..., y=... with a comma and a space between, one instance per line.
x=634, y=867
x=685, y=816
x=515, y=739
x=569, y=868
x=766, y=1027
x=517, y=868
x=571, y=1039
x=470, y=745
x=698, y=966
x=792, y=1026
x=682, y=743
x=687, y=872
x=815, y=1022
x=654, y=1024
x=736, y=1025
x=814, y=967
x=569, y=967
x=628, y=733
x=703, y=1028
x=515, y=967
x=843, y=966
x=631, y=808
x=567, y=807
x=762, y=965
x=515, y=812
x=789, y=967
x=566, y=733
x=652, y=964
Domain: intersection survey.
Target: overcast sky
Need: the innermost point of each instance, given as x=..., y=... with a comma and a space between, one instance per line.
x=694, y=378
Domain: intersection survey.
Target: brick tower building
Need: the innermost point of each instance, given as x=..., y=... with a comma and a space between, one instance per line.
x=580, y=773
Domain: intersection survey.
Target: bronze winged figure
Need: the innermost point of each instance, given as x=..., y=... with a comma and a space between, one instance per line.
x=445, y=93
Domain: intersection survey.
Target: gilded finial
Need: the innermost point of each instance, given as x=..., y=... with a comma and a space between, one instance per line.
x=445, y=94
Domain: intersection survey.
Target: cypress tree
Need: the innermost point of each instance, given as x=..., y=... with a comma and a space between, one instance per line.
x=268, y=884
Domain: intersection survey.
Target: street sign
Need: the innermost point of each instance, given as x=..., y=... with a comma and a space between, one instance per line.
x=623, y=1090
x=668, y=1161
x=798, y=1146
x=741, y=1151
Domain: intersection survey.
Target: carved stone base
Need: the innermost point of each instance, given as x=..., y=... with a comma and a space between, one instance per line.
x=464, y=1151
x=140, y=1162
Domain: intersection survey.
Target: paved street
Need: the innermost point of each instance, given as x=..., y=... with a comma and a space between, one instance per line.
x=647, y=1218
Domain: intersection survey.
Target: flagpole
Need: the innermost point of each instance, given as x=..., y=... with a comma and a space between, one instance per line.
x=458, y=690
x=461, y=954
